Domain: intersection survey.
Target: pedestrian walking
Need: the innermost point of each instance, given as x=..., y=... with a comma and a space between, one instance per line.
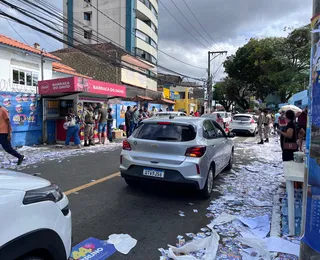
x=102, y=123
x=128, y=121
x=89, y=126
x=73, y=128
x=267, y=123
x=276, y=122
x=289, y=137
x=5, y=135
x=109, y=124
x=261, y=120
x=219, y=120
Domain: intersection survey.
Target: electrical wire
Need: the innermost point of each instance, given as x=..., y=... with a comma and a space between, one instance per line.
x=82, y=49
x=190, y=22
x=200, y=23
x=181, y=24
x=16, y=31
x=123, y=27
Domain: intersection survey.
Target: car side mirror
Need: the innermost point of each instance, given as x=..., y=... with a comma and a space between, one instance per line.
x=231, y=135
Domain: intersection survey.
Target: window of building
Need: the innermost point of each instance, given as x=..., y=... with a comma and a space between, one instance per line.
x=87, y=34
x=87, y=16
x=153, y=43
x=25, y=78
x=154, y=11
x=153, y=27
x=35, y=79
x=29, y=78
x=15, y=76
x=145, y=55
x=142, y=36
x=22, y=79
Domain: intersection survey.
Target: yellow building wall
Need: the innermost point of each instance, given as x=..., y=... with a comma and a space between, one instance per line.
x=180, y=105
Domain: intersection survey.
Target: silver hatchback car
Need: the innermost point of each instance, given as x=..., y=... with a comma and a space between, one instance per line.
x=187, y=150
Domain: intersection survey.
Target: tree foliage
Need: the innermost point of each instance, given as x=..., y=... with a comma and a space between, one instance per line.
x=265, y=66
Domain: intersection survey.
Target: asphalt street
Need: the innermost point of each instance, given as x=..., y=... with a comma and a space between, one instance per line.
x=149, y=213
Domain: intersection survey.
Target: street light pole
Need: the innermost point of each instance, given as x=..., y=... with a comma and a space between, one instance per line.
x=209, y=82
x=42, y=62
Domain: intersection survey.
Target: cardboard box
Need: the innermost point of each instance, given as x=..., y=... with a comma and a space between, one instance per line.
x=117, y=134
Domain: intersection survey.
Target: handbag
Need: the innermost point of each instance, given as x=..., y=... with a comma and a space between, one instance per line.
x=290, y=146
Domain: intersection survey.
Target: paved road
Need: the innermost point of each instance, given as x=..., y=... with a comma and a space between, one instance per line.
x=149, y=214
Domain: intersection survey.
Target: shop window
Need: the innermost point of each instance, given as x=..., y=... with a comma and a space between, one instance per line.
x=22, y=79
x=15, y=76
x=35, y=77
x=87, y=16
x=29, y=78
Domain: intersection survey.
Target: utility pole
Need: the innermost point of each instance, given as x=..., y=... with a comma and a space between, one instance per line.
x=209, y=84
x=309, y=245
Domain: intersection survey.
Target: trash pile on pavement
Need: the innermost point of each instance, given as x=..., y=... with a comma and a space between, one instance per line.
x=35, y=155
x=240, y=219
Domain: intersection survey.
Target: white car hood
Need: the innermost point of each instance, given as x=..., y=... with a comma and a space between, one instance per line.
x=20, y=181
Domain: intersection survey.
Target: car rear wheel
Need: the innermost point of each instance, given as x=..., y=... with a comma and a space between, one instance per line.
x=207, y=189
x=229, y=166
x=131, y=183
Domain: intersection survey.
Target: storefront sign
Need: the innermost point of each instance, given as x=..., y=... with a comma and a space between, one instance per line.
x=76, y=84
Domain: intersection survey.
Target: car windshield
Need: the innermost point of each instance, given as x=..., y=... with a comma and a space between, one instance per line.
x=215, y=115
x=166, y=114
x=241, y=118
x=165, y=132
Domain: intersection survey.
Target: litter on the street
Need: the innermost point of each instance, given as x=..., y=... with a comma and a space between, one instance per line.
x=122, y=242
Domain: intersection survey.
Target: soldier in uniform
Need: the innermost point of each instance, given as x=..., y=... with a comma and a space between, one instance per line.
x=261, y=121
x=89, y=122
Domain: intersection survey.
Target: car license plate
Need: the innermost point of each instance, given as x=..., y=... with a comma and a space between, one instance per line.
x=153, y=173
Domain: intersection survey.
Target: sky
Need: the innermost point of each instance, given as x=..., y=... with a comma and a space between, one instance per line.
x=229, y=23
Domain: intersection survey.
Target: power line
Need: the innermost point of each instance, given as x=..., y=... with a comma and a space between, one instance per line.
x=123, y=27
x=189, y=22
x=200, y=23
x=16, y=31
x=98, y=55
x=181, y=24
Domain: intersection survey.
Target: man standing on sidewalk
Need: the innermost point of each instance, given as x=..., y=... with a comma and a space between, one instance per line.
x=267, y=123
x=5, y=135
x=89, y=126
x=261, y=120
x=109, y=124
x=128, y=121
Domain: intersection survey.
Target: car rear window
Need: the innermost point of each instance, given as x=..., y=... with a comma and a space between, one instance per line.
x=165, y=132
x=242, y=118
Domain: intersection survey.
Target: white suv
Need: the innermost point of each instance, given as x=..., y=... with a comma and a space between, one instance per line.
x=35, y=219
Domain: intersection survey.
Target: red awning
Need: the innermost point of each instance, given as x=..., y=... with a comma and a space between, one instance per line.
x=141, y=98
x=80, y=85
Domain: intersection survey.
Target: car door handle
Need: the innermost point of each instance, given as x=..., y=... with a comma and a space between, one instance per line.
x=154, y=162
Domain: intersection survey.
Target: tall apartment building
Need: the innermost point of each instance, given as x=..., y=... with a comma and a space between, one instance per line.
x=138, y=17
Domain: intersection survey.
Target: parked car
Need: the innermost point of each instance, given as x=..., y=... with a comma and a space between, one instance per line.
x=170, y=113
x=244, y=124
x=226, y=116
x=35, y=219
x=184, y=150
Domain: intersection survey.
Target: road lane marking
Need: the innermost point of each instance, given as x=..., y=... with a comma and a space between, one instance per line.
x=85, y=186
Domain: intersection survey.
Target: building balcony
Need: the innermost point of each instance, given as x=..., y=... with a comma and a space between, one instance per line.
x=143, y=27
x=146, y=47
x=144, y=13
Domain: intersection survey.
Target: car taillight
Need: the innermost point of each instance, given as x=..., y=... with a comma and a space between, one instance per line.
x=196, y=151
x=126, y=145
x=252, y=121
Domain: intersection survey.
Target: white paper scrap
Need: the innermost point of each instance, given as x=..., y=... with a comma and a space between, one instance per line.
x=258, y=245
x=277, y=244
x=122, y=242
x=210, y=244
x=259, y=226
x=260, y=203
x=221, y=219
x=195, y=210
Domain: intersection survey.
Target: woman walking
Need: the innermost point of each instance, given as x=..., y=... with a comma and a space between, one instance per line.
x=289, y=137
x=73, y=128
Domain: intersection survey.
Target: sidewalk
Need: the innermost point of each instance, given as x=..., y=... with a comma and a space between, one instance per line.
x=239, y=222
x=38, y=154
